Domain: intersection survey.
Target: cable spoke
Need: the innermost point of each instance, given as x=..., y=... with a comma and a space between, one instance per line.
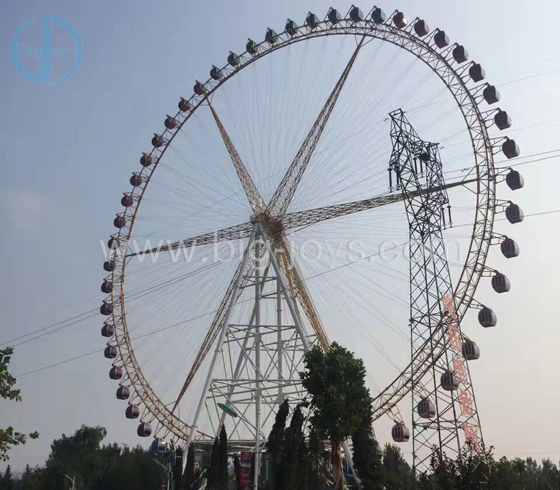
x=297, y=284
x=312, y=216
x=287, y=188
x=236, y=232
x=253, y=195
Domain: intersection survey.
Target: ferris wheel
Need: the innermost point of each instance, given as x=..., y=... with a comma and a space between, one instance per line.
x=357, y=128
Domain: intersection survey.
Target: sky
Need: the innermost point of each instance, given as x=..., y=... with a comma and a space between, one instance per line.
x=68, y=150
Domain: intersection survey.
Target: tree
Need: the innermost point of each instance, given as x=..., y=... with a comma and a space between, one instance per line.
x=318, y=466
x=294, y=468
x=9, y=437
x=397, y=472
x=367, y=457
x=276, y=440
x=223, y=461
x=178, y=468
x=212, y=474
x=189, y=476
x=335, y=382
x=6, y=482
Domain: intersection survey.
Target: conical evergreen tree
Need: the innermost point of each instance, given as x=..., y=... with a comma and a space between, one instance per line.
x=212, y=474
x=178, y=469
x=189, y=475
x=293, y=469
x=223, y=461
x=276, y=440
x=367, y=459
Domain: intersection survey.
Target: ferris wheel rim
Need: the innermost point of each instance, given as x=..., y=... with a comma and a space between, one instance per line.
x=153, y=407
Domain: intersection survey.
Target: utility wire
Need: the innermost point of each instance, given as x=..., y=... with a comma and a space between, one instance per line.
x=552, y=211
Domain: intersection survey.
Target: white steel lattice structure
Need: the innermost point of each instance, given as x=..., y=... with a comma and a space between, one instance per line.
x=264, y=368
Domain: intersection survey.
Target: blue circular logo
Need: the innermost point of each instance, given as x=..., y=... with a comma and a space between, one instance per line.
x=46, y=52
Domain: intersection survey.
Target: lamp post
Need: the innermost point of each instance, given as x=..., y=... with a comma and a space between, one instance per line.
x=229, y=410
x=73, y=480
x=168, y=471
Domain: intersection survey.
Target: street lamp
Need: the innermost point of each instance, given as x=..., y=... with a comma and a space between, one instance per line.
x=167, y=469
x=229, y=410
x=73, y=480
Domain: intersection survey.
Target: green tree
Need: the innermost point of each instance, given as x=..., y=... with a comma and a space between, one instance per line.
x=9, y=437
x=335, y=382
x=7, y=482
x=367, y=457
x=189, y=475
x=318, y=467
x=276, y=440
x=294, y=467
x=223, y=461
x=397, y=473
x=178, y=469
x=212, y=474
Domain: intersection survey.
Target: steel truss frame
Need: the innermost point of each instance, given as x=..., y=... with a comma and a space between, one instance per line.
x=433, y=315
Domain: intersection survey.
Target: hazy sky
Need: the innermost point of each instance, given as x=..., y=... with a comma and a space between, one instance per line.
x=68, y=150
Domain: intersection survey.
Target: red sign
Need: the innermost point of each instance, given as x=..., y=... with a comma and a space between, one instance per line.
x=245, y=462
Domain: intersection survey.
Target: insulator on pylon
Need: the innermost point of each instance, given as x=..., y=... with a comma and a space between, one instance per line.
x=400, y=433
x=487, y=318
x=471, y=351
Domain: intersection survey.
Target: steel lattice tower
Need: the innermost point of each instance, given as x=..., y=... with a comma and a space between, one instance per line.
x=445, y=418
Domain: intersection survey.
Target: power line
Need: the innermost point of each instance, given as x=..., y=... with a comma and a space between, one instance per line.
x=552, y=211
